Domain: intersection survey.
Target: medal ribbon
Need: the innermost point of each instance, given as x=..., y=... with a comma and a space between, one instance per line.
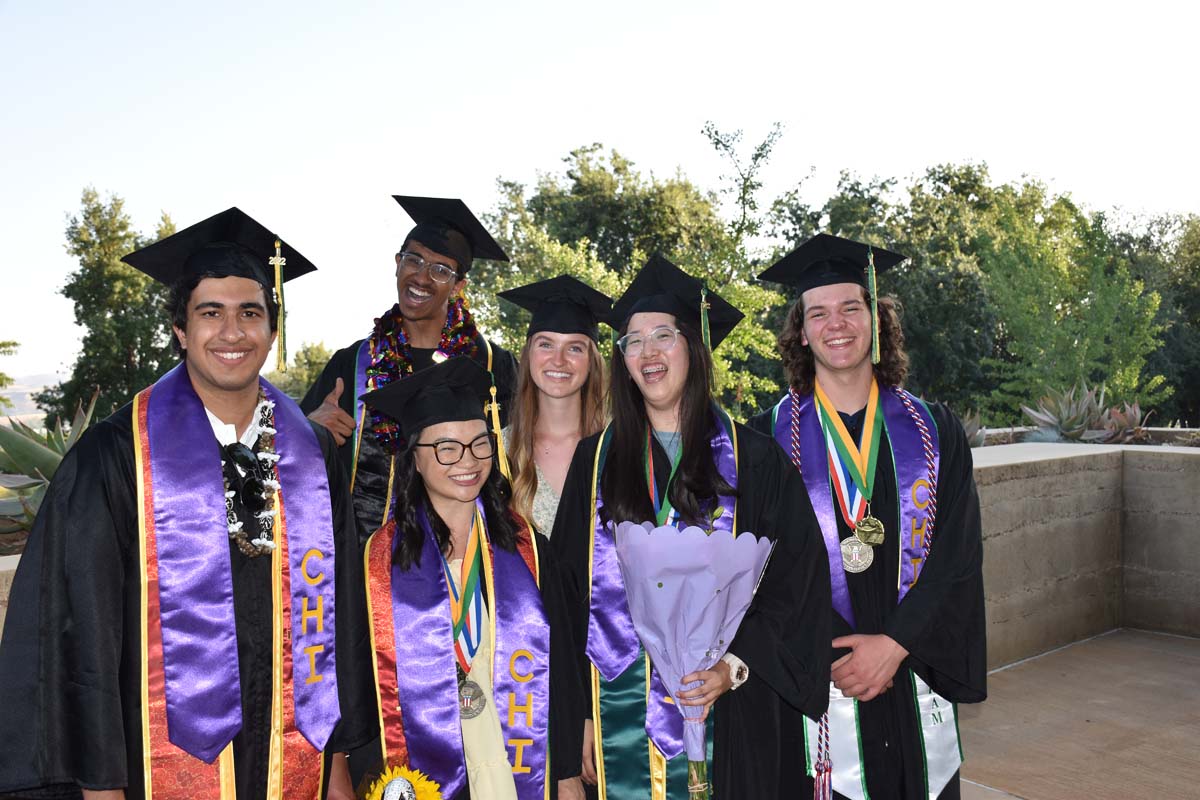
x=662, y=508
x=466, y=607
x=851, y=466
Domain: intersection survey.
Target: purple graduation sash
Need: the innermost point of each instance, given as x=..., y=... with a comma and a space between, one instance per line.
x=426, y=682
x=195, y=584
x=612, y=642
x=912, y=463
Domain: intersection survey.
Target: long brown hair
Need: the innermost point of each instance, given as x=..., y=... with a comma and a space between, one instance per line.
x=592, y=414
x=697, y=483
x=798, y=363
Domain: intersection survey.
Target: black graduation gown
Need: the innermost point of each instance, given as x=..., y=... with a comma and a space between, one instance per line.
x=371, y=478
x=783, y=637
x=940, y=622
x=69, y=660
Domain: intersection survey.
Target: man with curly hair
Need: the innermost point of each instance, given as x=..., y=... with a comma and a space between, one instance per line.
x=890, y=481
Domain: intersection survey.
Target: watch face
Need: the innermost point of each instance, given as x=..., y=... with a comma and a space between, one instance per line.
x=742, y=673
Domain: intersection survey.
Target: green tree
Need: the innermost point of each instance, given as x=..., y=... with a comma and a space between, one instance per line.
x=306, y=366
x=126, y=343
x=6, y=349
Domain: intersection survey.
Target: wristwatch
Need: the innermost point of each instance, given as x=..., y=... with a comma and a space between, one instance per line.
x=738, y=671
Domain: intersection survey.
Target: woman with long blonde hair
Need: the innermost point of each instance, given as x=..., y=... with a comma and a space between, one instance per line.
x=560, y=390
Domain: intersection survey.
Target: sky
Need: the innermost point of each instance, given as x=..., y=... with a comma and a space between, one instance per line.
x=309, y=116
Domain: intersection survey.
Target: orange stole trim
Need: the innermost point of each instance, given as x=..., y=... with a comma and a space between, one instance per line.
x=296, y=766
x=378, y=559
x=527, y=548
x=170, y=772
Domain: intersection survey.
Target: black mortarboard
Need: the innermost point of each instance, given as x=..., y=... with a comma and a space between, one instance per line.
x=445, y=225
x=662, y=286
x=452, y=391
x=825, y=260
x=229, y=244
x=562, y=305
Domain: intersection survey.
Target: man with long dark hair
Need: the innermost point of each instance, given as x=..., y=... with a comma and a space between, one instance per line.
x=673, y=457
x=184, y=617
x=430, y=322
x=889, y=478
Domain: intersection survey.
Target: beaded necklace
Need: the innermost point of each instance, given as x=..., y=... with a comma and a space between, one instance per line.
x=264, y=542
x=391, y=357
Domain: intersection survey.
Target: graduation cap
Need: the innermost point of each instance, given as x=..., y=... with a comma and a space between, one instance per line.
x=445, y=225
x=562, y=305
x=453, y=391
x=662, y=286
x=229, y=244
x=825, y=260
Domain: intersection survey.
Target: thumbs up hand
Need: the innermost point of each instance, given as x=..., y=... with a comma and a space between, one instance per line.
x=330, y=415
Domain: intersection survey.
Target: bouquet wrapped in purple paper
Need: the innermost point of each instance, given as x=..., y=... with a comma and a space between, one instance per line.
x=688, y=591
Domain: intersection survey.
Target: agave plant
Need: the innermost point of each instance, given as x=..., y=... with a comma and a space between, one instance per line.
x=1067, y=415
x=973, y=427
x=28, y=460
x=1122, y=425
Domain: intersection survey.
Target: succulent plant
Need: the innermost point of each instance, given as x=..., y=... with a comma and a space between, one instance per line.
x=28, y=460
x=1122, y=425
x=1067, y=415
x=973, y=427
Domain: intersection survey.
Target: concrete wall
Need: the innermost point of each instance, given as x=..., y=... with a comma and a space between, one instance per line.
x=1080, y=539
x=8, y=566
x=1161, y=543
x=1052, y=544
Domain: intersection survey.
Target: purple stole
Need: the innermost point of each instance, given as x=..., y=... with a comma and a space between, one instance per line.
x=195, y=584
x=911, y=458
x=426, y=682
x=612, y=642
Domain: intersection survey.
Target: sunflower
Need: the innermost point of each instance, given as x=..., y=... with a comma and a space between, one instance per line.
x=424, y=788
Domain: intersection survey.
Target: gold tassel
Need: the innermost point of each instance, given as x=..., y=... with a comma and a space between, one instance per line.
x=873, y=289
x=281, y=350
x=493, y=409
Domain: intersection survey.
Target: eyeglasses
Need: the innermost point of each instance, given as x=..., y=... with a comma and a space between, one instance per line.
x=662, y=339
x=413, y=263
x=450, y=451
x=249, y=486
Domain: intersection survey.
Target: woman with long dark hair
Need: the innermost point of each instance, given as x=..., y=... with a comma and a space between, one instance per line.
x=560, y=390
x=460, y=600
x=672, y=456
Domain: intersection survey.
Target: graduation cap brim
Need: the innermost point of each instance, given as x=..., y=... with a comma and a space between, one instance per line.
x=452, y=391
x=661, y=286
x=825, y=259
x=562, y=304
x=231, y=243
x=435, y=217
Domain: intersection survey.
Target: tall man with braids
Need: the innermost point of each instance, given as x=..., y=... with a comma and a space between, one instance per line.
x=430, y=322
x=890, y=481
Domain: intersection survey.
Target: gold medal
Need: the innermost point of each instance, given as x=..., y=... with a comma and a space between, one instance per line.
x=869, y=530
x=857, y=556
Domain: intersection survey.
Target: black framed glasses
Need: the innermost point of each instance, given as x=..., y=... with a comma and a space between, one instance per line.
x=662, y=339
x=249, y=480
x=450, y=451
x=413, y=263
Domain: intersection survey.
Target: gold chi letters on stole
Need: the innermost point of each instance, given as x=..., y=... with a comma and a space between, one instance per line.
x=169, y=772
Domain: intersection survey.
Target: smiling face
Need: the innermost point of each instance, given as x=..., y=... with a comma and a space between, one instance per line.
x=228, y=335
x=558, y=362
x=459, y=482
x=420, y=296
x=660, y=375
x=837, y=328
